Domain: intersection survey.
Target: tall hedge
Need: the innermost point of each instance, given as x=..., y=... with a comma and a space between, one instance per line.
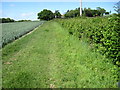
x=102, y=32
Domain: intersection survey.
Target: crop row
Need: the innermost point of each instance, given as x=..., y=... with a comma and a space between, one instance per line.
x=12, y=31
x=103, y=33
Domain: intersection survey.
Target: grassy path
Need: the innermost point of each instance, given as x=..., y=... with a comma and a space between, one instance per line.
x=51, y=58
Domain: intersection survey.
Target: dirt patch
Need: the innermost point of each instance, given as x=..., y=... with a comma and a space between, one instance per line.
x=52, y=86
x=8, y=63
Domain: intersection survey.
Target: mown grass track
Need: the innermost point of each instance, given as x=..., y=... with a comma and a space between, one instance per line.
x=51, y=58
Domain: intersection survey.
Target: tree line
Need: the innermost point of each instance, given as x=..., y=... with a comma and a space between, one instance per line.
x=8, y=20
x=88, y=12
x=49, y=15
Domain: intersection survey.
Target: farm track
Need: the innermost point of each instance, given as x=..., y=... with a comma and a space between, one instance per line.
x=51, y=58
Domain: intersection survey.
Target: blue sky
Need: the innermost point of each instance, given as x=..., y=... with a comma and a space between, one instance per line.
x=29, y=10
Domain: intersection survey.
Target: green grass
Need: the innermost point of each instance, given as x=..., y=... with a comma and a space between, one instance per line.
x=51, y=58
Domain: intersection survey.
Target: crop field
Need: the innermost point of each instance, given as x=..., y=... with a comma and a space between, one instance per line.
x=61, y=54
x=12, y=31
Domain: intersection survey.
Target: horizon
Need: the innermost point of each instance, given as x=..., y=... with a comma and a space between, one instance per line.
x=29, y=10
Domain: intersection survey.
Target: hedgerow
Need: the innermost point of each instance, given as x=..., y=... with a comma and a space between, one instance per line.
x=101, y=32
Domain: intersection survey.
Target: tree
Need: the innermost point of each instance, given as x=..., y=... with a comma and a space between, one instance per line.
x=88, y=12
x=107, y=13
x=117, y=7
x=72, y=13
x=6, y=20
x=101, y=10
x=0, y=20
x=46, y=15
x=68, y=10
x=57, y=14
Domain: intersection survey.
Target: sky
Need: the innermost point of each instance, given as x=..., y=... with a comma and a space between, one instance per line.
x=59, y=0
x=28, y=9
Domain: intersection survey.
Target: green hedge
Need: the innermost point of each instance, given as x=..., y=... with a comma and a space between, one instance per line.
x=102, y=32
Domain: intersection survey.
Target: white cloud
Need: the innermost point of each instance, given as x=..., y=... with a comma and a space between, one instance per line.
x=59, y=0
x=27, y=14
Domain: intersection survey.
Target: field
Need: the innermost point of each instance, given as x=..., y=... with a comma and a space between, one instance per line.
x=53, y=57
x=12, y=31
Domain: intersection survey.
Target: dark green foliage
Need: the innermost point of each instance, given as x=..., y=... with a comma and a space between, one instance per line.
x=6, y=20
x=24, y=20
x=57, y=14
x=90, y=13
x=101, y=10
x=107, y=13
x=46, y=15
x=72, y=13
x=86, y=12
x=103, y=32
x=0, y=20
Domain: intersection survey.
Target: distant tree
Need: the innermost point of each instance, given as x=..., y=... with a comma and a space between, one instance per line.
x=101, y=10
x=24, y=20
x=6, y=20
x=69, y=14
x=0, y=20
x=72, y=13
x=88, y=12
x=67, y=10
x=117, y=7
x=107, y=13
x=96, y=13
x=46, y=15
x=57, y=14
